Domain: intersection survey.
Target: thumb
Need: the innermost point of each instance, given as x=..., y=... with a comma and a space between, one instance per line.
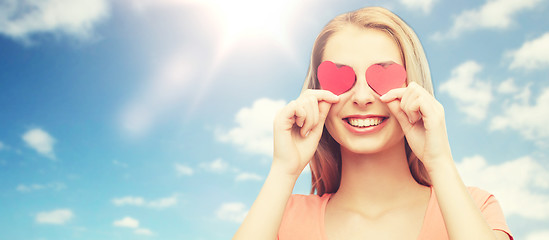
x=402, y=118
x=324, y=109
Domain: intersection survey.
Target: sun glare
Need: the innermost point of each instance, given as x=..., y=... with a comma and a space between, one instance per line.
x=242, y=21
x=253, y=19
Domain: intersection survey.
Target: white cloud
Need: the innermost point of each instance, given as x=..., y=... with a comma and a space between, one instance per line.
x=518, y=94
x=21, y=19
x=163, y=202
x=183, y=170
x=508, y=86
x=472, y=95
x=530, y=120
x=494, y=14
x=126, y=222
x=129, y=200
x=57, y=186
x=520, y=185
x=232, y=212
x=2, y=146
x=139, y=201
x=531, y=55
x=424, y=5
x=57, y=217
x=254, y=133
x=41, y=141
x=244, y=176
x=129, y=222
x=217, y=165
x=143, y=231
x=29, y=188
x=538, y=235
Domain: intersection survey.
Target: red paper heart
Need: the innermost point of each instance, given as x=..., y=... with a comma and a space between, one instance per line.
x=334, y=79
x=382, y=79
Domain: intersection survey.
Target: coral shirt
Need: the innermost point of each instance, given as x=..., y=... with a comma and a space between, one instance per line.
x=304, y=216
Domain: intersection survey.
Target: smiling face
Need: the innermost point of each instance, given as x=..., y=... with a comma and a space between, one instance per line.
x=360, y=122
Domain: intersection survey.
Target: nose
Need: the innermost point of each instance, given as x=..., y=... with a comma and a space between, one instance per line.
x=363, y=95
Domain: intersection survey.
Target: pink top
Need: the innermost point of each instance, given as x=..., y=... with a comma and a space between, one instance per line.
x=304, y=216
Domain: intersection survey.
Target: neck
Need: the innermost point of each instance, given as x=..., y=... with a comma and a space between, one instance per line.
x=379, y=179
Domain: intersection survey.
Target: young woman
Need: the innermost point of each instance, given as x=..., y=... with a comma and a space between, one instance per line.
x=380, y=159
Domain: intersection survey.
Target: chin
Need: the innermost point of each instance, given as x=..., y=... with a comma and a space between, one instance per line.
x=362, y=148
x=368, y=146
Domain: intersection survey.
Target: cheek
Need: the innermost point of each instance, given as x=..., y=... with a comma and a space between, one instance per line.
x=332, y=121
x=329, y=123
x=397, y=131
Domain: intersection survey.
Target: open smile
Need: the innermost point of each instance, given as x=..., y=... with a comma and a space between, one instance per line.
x=365, y=124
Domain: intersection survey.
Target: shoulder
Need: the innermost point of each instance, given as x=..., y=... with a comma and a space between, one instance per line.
x=303, y=217
x=304, y=206
x=475, y=191
x=490, y=209
x=306, y=200
x=435, y=228
x=480, y=196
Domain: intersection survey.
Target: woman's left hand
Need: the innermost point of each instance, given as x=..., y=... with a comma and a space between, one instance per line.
x=421, y=117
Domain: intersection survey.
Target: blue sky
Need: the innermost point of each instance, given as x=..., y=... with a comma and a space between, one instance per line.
x=151, y=119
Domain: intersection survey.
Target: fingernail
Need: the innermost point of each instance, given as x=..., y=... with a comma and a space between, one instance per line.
x=307, y=134
x=383, y=97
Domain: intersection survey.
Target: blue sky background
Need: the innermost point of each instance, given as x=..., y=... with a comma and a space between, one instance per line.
x=151, y=119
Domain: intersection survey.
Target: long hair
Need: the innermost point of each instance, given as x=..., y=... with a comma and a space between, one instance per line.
x=326, y=162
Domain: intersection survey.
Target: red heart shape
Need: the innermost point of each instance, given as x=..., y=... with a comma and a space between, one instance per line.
x=382, y=79
x=334, y=79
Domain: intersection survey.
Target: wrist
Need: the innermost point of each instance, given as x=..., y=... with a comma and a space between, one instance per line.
x=441, y=168
x=438, y=162
x=282, y=178
x=287, y=168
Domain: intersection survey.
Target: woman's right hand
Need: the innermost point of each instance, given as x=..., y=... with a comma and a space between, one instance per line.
x=298, y=128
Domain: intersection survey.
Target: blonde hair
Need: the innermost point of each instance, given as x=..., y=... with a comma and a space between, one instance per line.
x=326, y=162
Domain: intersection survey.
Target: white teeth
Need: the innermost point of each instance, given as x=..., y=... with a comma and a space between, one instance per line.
x=364, y=122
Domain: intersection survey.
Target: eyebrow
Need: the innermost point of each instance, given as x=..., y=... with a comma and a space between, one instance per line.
x=383, y=64
x=338, y=65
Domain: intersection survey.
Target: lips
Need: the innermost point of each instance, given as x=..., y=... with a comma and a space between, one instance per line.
x=362, y=124
x=365, y=122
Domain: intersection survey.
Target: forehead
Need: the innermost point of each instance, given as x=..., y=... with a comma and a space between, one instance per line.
x=361, y=47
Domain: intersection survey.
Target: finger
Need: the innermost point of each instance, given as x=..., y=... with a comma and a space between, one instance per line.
x=323, y=108
x=421, y=102
x=285, y=118
x=300, y=115
x=323, y=95
x=309, y=105
x=410, y=104
x=401, y=117
x=316, y=112
x=413, y=111
x=431, y=107
x=393, y=94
